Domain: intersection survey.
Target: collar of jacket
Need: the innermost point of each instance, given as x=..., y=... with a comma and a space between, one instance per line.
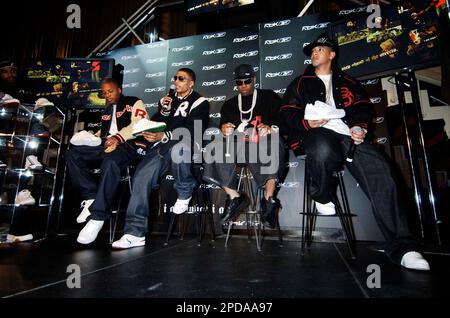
x=310, y=71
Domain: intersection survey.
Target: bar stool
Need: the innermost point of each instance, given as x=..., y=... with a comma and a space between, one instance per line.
x=200, y=204
x=309, y=213
x=253, y=213
x=126, y=180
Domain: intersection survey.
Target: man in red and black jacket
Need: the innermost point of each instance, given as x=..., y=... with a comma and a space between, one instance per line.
x=118, y=149
x=326, y=149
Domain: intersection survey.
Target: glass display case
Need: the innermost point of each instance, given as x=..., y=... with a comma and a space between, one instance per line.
x=30, y=144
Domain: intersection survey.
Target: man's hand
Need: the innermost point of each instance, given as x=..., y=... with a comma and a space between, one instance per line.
x=358, y=134
x=111, y=143
x=153, y=137
x=317, y=123
x=167, y=103
x=227, y=129
x=264, y=129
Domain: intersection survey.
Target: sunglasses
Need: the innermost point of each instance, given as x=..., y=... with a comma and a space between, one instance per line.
x=180, y=78
x=242, y=82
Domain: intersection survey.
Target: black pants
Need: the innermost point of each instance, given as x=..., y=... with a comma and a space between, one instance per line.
x=83, y=158
x=326, y=151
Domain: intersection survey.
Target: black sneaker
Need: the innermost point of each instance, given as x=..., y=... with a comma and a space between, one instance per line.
x=234, y=207
x=269, y=209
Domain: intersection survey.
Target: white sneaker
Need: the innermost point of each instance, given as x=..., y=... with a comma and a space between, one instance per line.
x=16, y=239
x=33, y=163
x=24, y=198
x=2, y=164
x=85, y=210
x=326, y=209
x=181, y=206
x=414, y=260
x=128, y=241
x=84, y=138
x=90, y=231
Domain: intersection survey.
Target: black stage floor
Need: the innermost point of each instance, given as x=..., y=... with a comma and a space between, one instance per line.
x=184, y=270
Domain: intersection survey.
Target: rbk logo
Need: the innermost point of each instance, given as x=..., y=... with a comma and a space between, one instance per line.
x=183, y=49
x=184, y=63
x=315, y=26
x=280, y=74
x=371, y=82
x=155, y=45
x=216, y=51
x=151, y=75
x=155, y=90
x=131, y=71
x=382, y=141
x=214, y=67
x=214, y=35
x=289, y=185
x=215, y=115
x=215, y=83
x=280, y=91
x=246, y=38
x=375, y=100
x=307, y=62
x=131, y=85
x=345, y=12
x=378, y=120
x=278, y=41
x=212, y=132
x=129, y=57
x=286, y=56
x=217, y=99
x=246, y=54
x=277, y=24
x=305, y=44
x=156, y=60
x=152, y=105
x=292, y=165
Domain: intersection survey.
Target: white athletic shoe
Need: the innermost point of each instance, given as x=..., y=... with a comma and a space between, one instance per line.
x=181, y=206
x=326, y=209
x=414, y=260
x=128, y=241
x=85, y=211
x=90, y=231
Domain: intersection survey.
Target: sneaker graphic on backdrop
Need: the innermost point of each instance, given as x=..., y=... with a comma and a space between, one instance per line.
x=145, y=125
x=32, y=163
x=326, y=209
x=17, y=239
x=84, y=138
x=25, y=198
x=128, y=241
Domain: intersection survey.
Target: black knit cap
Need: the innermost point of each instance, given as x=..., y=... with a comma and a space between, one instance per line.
x=5, y=64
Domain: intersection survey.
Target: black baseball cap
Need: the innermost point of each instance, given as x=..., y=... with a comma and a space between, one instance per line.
x=5, y=64
x=322, y=40
x=243, y=71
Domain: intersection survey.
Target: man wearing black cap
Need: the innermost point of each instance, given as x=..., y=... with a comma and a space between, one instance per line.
x=326, y=149
x=251, y=116
x=8, y=78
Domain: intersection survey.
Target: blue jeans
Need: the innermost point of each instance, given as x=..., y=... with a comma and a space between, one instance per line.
x=147, y=177
x=79, y=161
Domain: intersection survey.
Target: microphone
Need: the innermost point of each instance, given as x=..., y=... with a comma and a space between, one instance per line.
x=351, y=151
x=171, y=94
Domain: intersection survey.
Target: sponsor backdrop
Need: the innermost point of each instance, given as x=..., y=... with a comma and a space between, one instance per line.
x=275, y=51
